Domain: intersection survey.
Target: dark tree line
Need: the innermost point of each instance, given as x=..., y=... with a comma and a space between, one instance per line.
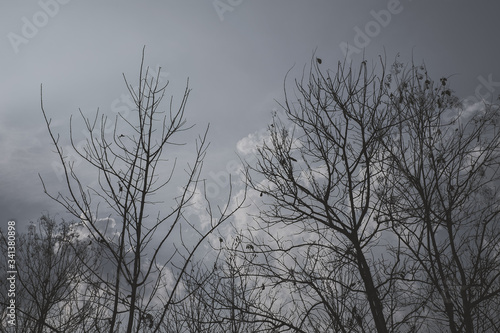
x=378, y=212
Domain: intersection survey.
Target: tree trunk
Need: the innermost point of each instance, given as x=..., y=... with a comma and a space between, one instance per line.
x=376, y=307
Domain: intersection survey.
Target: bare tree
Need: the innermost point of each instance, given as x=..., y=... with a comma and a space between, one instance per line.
x=379, y=204
x=443, y=168
x=317, y=174
x=132, y=172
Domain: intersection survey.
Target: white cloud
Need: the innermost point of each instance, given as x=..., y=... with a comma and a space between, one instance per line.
x=248, y=145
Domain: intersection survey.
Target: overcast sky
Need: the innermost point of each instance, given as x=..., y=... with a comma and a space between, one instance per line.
x=235, y=53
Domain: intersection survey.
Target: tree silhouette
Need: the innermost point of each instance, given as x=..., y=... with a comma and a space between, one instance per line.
x=443, y=167
x=380, y=204
x=142, y=252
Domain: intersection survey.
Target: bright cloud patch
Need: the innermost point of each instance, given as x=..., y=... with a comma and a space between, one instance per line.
x=248, y=145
